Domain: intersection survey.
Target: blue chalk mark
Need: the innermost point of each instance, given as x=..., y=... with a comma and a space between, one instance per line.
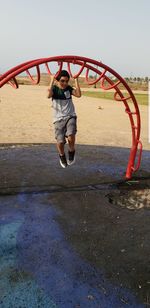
x=67, y=278
x=16, y=292
x=43, y=269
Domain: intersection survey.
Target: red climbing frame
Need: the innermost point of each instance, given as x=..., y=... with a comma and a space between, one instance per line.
x=106, y=78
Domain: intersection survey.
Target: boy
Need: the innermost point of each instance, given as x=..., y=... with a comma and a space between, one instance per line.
x=64, y=115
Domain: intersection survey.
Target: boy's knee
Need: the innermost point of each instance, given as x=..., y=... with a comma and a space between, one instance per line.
x=71, y=137
x=71, y=140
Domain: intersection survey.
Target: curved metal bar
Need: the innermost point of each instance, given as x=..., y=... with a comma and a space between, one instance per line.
x=88, y=63
x=31, y=77
x=79, y=73
x=95, y=81
x=139, y=157
x=113, y=86
x=14, y=84
x=130, y=112
x=60, y=68
x=48, y=69
x=120, y=99
x=14, y=69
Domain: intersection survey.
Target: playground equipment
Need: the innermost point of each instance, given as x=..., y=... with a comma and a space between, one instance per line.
x=105, y=77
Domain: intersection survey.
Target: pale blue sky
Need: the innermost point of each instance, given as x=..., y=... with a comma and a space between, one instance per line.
x=113, y=31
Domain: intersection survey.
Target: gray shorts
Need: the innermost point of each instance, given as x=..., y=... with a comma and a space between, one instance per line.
x=64, y=128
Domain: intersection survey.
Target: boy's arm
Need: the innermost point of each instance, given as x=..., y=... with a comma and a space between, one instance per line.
x=50, y=91
x=76, y=92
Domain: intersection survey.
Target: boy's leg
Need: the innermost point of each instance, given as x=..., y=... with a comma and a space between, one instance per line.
x=62, y=156
x=60, y=148
x=71, y=143
x=71, y=152
x=71, y=132
x=60, y=137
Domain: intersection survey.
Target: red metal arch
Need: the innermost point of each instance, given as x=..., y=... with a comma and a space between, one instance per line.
x=105, y=82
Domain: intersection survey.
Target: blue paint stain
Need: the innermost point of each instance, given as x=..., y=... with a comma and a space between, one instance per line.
x=21, y=293
x=55, y=275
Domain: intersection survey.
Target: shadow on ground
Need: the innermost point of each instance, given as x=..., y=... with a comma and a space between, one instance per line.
x=73, y=237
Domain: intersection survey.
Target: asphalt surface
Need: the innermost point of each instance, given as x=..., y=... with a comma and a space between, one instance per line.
x=74, y=237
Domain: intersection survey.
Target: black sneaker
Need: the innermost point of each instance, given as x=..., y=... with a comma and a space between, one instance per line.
x=63, y=161
x=71, y=159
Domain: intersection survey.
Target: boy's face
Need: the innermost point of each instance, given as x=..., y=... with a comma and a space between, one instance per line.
x=63, y=82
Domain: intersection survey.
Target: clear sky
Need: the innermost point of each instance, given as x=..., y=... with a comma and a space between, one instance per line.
x=113, y=31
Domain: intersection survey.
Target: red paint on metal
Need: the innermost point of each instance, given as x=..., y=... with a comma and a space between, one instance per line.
x=96, y=80
x=31, y=77
x=79, y=73
x=110, y=87
x=101, y=70
x=14, y=83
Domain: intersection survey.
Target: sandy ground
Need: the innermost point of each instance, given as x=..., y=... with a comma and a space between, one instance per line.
x=74, y=237
x=26, y=117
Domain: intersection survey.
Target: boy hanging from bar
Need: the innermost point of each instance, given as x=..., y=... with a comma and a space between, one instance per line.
x=64, y=115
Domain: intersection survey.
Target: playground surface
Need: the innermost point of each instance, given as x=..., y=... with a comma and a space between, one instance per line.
x=26, y=117
x=74, y=237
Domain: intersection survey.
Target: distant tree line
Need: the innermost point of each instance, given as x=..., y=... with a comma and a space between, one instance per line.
x=138, y=79
x=129, y=79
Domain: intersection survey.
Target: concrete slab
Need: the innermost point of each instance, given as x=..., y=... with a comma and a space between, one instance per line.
x=74, y=237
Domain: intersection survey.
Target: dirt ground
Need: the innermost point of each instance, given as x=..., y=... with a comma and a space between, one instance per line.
x=26, y=117
x=77, y=237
